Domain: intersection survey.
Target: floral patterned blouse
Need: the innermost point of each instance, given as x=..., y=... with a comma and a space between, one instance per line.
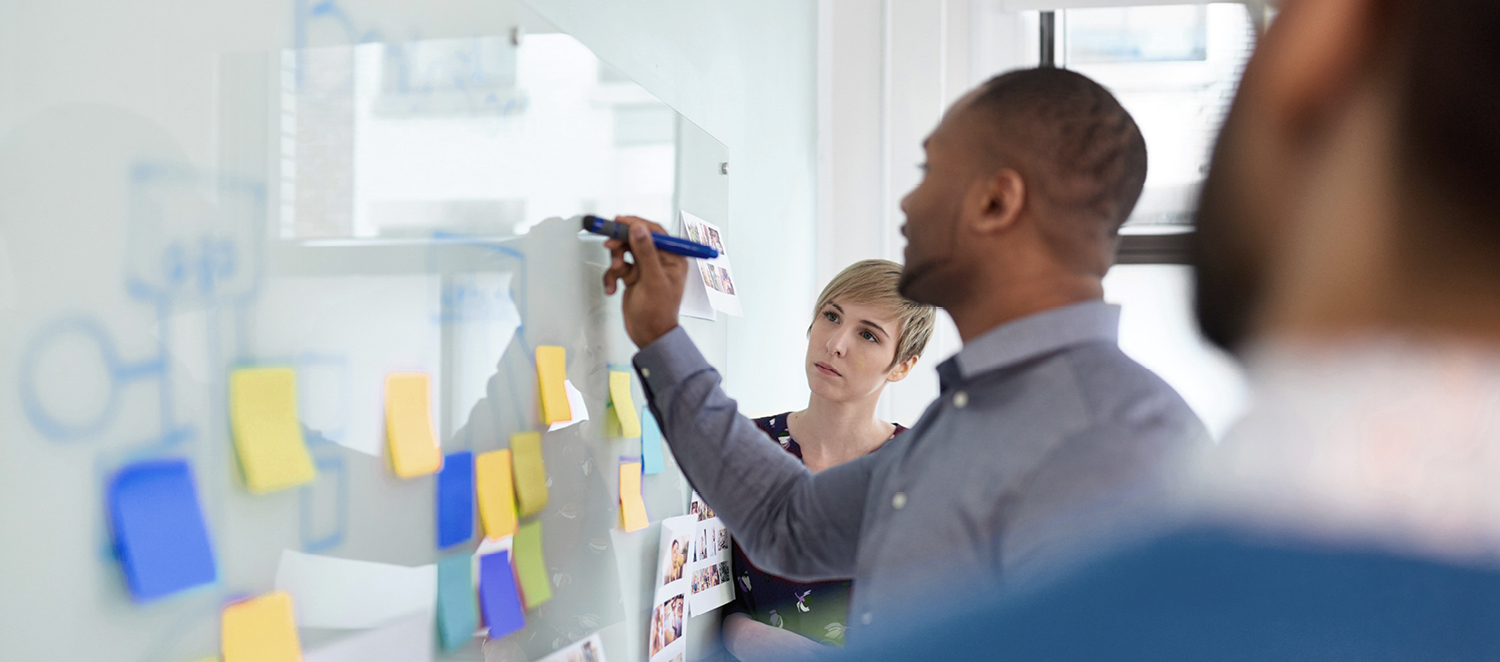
x=816, y=610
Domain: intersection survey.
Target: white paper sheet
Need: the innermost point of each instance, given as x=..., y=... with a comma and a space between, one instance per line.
x=407, y=639
x=590, y=649
x=708, y=571
x=714, y=278
x=343, y=593
x=575, y=405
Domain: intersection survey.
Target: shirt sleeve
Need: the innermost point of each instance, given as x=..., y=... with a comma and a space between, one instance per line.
x=790, y=522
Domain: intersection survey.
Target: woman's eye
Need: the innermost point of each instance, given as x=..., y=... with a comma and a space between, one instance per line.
x=870, y=337
x=832, y=317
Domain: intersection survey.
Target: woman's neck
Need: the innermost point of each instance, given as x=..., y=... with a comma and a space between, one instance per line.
x=832, y=433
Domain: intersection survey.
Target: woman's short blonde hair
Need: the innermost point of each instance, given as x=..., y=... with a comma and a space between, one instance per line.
x=874, y=283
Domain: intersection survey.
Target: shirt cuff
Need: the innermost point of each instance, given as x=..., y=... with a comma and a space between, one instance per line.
x=669, y=360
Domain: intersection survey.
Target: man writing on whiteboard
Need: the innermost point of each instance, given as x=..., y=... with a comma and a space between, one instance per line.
x=1046, y=437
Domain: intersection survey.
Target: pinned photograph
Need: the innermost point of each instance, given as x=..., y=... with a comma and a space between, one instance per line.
x=590, y=649
x=714, y=288
x=710, y=587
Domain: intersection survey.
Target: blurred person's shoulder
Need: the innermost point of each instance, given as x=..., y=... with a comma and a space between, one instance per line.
x=1218, y=591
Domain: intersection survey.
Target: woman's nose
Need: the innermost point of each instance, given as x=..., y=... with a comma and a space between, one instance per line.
x=836, y=344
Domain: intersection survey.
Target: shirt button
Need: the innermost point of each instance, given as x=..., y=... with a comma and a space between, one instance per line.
x=960, y=399
x=899, y=501
x=865, y=618
x=646, y=372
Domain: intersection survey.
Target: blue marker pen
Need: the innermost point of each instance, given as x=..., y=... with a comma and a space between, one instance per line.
x=667, y=243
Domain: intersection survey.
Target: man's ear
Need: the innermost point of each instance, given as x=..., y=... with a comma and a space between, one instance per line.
x=901, y=370
x=996, y=202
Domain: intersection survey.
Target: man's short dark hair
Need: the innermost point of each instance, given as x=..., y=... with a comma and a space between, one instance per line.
x=1450, y=133
x=1088, y=154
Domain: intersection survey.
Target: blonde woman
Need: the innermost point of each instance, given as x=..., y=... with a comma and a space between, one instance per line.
x=863, y=336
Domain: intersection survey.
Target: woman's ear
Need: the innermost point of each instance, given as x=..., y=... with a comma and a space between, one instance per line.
x=902, y=369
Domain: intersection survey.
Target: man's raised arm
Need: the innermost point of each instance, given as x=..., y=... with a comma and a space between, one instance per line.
x=791, y=522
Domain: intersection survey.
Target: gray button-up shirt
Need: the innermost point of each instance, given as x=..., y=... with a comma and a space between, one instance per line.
x=1045, y=434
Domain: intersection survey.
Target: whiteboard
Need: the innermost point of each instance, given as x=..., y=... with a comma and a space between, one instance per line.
x=302, y=207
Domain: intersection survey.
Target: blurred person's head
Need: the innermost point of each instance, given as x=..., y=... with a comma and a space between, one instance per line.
x=1027, y=181
x=1354, y=187
x=864, y=334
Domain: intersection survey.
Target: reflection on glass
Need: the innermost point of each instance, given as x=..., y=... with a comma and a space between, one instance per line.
x=475, y=136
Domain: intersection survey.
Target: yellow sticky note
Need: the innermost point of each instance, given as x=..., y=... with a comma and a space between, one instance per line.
x=260, y=629
x=531, y=565
x=632, y=508
x=408, y=425
x=552, y=369
x=530, y=472
x=621, y=406
x=497, y=495
x=267, y=433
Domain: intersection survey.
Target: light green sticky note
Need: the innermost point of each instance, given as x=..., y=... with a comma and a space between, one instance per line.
x=531, y=565
x=530, y=472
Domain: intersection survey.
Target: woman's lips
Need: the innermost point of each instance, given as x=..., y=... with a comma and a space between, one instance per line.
x=827, y=369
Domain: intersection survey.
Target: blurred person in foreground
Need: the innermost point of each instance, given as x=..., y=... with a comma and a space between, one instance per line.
x=1349, y=251
x=1045, y=437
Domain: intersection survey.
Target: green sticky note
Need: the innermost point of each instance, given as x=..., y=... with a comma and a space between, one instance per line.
x=530, y=472
x=531, y=565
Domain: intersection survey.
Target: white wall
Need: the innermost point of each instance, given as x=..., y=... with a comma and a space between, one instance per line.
x=888, y=71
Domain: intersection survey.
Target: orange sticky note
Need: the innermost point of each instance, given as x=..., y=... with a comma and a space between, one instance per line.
x=632, y=508
x=530, y=472
x=552, y=369
x=497, y=495
x=260, y=629
x=267, y=433
x=408, y=425
x=623, y=419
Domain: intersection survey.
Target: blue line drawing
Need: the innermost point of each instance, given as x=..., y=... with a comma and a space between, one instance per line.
x=330, y=465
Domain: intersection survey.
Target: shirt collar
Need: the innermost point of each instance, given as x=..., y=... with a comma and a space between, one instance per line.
x=1032, y=336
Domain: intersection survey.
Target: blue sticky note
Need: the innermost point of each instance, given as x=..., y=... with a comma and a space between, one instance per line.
x=158, y=529
x=498, y=599
x=651, y=440
x=455, y=499
x=457, y=612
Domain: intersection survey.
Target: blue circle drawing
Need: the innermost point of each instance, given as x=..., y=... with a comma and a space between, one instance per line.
x=43, y=420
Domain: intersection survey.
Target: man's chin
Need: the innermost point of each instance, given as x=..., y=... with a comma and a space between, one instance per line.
x=918, y=284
